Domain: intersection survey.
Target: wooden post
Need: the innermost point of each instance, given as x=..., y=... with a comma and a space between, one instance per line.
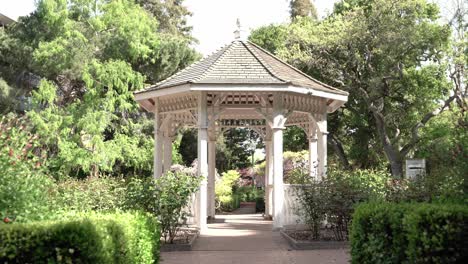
x=168, y=147
x=211, y=178
x=158, y=138
x=313, y=155
x=278, y=188
x=322, y=147
x=202, y=160
x=268, y=174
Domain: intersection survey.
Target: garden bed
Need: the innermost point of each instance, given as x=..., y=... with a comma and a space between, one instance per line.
x=182, y=242
x=302, y=240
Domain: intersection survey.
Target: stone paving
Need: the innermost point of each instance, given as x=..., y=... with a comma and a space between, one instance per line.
x=243, y=239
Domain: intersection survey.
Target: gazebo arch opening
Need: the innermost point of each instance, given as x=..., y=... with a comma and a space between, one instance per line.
x=241, y=85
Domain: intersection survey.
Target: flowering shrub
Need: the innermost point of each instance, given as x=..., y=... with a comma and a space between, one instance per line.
x=333, y=199
x=24, y=186
x=165, y=197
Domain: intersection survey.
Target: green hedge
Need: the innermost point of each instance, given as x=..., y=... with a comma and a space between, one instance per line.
x=93, y=238
x=409, y=233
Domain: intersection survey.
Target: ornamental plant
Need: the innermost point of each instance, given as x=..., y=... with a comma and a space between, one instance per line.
x=224, y=189
x=25, y=187
x=166, y=198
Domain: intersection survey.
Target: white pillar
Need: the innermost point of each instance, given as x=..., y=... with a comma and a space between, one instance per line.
x=211, y=178
x=322, y=147
x=278, y=189
x=267, y=176
x=167, y=153
x=313, y=155
x=270, y=181
x=202, y=160
x=158, y=138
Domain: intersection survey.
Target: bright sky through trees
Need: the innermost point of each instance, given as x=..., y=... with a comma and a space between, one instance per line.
x=214, y=21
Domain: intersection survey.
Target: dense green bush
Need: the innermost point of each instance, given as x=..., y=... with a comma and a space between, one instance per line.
x=25, y=187
x=166, y=197
x=92, y=238
x=377, y=234
x=437, y=233
x=90, y=194
x=333, y=199
x=250, y=194
x=409, y=233
x=225, y=199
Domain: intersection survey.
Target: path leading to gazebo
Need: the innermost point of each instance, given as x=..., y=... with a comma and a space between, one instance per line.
x=246, y=239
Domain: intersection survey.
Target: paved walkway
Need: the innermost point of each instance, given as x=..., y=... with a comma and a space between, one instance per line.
x=246, y=239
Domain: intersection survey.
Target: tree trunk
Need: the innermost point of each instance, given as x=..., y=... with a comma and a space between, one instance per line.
x=396, y=166
x=339, y=150
x=392, y=153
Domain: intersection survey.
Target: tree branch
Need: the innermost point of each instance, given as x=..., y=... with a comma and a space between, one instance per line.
x=415, y=131
x=338, y=147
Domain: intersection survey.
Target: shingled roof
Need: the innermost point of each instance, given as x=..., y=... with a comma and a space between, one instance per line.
x=242, y=62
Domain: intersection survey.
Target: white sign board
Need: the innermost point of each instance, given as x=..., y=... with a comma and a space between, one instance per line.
x=415, y=168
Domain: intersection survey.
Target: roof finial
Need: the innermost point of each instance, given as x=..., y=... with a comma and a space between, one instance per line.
x=239, y=33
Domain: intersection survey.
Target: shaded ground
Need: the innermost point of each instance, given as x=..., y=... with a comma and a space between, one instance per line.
x=248, y=239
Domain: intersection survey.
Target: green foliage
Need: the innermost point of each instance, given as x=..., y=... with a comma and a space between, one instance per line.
x=224, y=190
x=188, y=146
x=82, y=125
x=393, y=58
x=437, y=233
x=234, y=148
x=24, y=185
x=271, y=37
x=295, y=139
x=172, y=15
x=409, y=233
x=249, y=193
x=240, y=145
x=91, y=238
x=166, y=198
x=302, y=8
x=444, y=145
x=92, y=56
x=295, y=165
x=335, y=197
x=91, y=194
x=377, y=234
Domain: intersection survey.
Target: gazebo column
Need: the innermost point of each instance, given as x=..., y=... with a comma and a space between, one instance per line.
x=158, y=138
x=202, y=160
x=211, y=178
x=168, y=146
x=322, y=147
x=278, y=188
x=313, y=153
x=268, y=174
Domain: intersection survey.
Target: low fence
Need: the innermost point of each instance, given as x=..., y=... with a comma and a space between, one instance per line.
x=291, y=206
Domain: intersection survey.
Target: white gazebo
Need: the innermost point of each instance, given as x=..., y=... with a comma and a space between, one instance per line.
x=241, y=85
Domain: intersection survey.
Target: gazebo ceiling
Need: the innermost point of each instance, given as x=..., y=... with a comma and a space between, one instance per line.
x=242, y=66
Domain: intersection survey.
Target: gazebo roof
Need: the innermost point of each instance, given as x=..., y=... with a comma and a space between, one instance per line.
x=243, y=63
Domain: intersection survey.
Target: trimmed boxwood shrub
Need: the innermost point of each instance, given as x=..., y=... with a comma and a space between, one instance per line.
x=377, y=234
x=437, y=233
x=92, y=238
x=409, y=233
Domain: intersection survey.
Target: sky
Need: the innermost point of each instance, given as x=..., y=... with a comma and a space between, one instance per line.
x=214, y=21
